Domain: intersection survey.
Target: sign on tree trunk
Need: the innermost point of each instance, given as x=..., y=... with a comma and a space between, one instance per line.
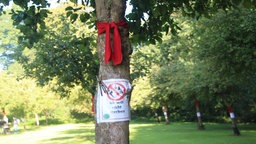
x=113, y=101
x=114, y=49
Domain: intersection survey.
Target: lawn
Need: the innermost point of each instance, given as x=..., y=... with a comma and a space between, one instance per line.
x=152, y=133
x=174, y=133
x=186, y=133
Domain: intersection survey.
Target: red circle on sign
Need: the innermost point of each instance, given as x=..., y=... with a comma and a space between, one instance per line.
x=116, y=91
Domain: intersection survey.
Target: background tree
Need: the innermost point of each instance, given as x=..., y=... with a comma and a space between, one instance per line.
x=8, y=40
x=189, y=70
x=23, y=98
x=65, y=53
x=225, y=46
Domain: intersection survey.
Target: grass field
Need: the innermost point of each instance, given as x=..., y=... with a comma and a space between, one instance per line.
x=186, y=133
x=174, y=133
x=150, y=133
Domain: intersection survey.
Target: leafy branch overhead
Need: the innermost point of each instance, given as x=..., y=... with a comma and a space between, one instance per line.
x=148, y=18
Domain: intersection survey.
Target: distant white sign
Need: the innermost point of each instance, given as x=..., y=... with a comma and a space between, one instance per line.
x=232, y=115
x=198, y=114
x=113, y=101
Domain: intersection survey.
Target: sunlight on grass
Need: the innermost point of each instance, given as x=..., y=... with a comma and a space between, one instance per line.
x=149, y=133
x=83, y=134
x=187, y=133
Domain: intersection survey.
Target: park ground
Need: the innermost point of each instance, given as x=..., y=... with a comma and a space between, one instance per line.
x=140, y=133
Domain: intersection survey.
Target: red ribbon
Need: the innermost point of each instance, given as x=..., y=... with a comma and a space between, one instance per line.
x=196, y=103
x=114, y=54
x=230, y=109
x=92, y=104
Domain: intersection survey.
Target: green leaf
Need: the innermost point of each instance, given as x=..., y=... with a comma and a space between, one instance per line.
x=69, y=13
x=84, y=17
x=76, y=9
x=43, y=13
x=69, y=8
x=73, y=17
x=73, y=1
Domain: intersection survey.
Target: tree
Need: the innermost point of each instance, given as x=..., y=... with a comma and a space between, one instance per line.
x=225, y=47
x=8, y=41
x=218, y=66
x=66, y=54
x=198, y=63
x=150, y=17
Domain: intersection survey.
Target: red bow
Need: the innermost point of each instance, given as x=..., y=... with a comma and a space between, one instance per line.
x=196, y=103
x=230, y=109
x=115, y=53
x=92, y=104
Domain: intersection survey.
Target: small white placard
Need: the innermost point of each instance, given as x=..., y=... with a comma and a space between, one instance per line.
x=232, y=115
x=113, y=102
x=198, y=114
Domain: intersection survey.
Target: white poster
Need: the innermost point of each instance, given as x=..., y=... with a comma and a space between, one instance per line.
x=232, y=115
x=113, y=101
x=198, y=114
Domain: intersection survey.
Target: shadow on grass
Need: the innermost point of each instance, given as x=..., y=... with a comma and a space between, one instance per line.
x=83, y=134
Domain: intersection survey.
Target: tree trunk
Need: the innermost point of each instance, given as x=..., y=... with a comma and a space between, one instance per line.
x=233, y=120
x=234, y=127
x=113, y=11
x=37, y=119
x=164, y=108
x=200, y=122
x=46, y=117
x=198, y=114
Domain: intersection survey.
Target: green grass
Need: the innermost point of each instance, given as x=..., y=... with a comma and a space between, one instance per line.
x=80, y=135
x=186, y=133
x=174, y=133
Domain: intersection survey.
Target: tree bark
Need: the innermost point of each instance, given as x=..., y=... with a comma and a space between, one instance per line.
x=198, y=114
x=37, y=119
x=234, y=127
x=46, y=117
x=200, y=122
x=233, y=120
x=164, y=108
x=113, y=11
